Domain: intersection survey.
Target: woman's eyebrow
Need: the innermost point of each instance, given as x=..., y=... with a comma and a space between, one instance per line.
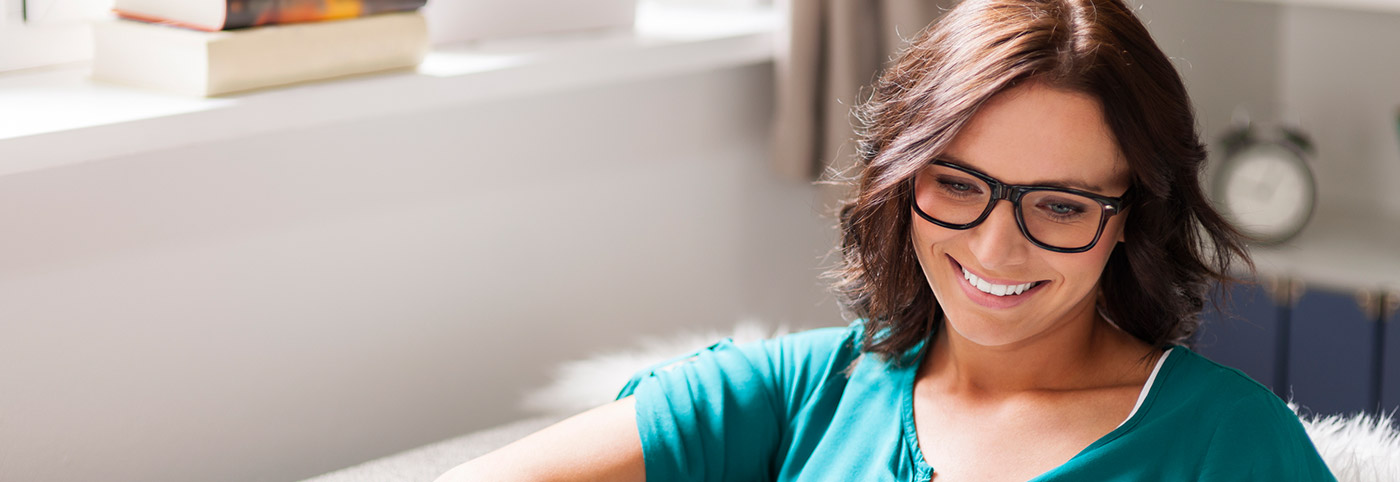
x=1063, y=183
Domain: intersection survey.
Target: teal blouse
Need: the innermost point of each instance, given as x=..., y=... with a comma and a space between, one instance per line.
x=784, y=409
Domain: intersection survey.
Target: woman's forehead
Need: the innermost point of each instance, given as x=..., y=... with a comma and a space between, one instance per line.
x=1034, y=134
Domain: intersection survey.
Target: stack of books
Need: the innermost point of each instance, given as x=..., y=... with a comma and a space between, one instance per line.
x=213, y=47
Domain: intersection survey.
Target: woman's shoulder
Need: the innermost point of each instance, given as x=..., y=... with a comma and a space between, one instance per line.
x=1224, y=399
x=705, y=413
x=1214, y=392
x=1246, y=430
x=817, y=349
x=778, y=359
x=1212, y=380
x=1201, y=420
x=829, y=338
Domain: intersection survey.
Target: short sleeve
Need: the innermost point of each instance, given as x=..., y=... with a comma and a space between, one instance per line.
x=1259, y=438
x=719, y=413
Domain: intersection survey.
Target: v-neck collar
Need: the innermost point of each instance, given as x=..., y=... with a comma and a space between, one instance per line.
x=924, y=472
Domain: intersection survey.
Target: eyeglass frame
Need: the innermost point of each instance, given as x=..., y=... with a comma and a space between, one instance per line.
x=1013, y=193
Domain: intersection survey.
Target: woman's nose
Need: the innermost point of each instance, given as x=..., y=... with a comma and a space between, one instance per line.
x=997, y=241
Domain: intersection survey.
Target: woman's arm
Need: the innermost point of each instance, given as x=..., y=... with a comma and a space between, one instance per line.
x=599, y=444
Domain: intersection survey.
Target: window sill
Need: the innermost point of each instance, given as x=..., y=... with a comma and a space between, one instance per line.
x=58, y=116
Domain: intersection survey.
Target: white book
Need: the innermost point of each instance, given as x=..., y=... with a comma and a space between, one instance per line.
x=199, y=63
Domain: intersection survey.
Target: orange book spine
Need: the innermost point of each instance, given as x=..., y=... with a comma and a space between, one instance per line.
x=252, y=13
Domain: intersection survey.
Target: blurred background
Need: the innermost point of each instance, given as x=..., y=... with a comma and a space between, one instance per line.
x=276, y=283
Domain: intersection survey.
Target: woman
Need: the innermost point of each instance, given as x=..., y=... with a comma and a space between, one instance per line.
x=1027, y=247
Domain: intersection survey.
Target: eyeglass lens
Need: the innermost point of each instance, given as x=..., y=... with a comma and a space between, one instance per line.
x=1057, y=219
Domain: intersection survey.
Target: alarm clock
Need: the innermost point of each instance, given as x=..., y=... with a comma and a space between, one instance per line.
x=1264, y=184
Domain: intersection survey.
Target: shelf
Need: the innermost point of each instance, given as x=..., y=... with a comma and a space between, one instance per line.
x=58, y=116
x=1386, y=6
x=1340, y=248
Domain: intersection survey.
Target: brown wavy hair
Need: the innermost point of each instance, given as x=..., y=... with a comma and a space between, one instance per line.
x=1155, y=284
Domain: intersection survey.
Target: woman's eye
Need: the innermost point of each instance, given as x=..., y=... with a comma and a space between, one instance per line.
x=958, y=187
x=1063, y=209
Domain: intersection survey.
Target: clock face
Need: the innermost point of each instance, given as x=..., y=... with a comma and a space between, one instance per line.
x=1267, y=191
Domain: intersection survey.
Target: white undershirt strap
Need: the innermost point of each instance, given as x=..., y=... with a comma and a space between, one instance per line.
x=1148, y=386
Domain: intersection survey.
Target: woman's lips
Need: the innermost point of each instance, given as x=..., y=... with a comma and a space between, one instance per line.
x=1008, y=299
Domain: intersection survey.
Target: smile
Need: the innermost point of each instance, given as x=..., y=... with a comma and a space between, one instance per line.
x=1000, y=294
x=996, y=289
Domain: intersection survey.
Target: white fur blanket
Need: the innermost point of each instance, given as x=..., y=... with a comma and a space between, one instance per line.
x=1359, y=448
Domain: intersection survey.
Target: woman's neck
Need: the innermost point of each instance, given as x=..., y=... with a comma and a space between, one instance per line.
x=1072, y=356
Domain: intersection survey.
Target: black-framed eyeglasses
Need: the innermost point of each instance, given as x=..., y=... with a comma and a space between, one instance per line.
x=1058, y=219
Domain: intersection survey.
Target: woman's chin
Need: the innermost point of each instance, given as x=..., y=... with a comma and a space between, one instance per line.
x=984, y=331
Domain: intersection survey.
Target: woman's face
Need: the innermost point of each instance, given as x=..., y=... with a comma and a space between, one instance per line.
x=1028, y=135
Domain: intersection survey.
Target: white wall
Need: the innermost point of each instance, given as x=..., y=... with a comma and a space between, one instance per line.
x=1335, y=72
x=277, y=307
x=1226, y=52
x=1341, y=79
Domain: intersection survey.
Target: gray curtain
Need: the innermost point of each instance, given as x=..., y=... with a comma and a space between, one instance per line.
x=831, y=49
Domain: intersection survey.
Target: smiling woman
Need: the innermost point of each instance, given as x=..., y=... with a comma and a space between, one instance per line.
x=1035, y=338
x=1048, y=238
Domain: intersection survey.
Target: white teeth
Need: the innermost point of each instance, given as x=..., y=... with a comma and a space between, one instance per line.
x=999, y=290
